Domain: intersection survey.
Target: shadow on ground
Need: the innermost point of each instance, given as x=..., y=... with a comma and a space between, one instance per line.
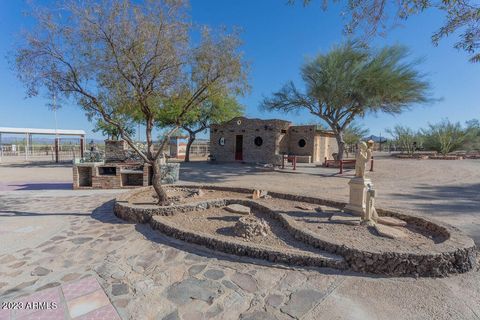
x=204, y=172
x=38, y=164
x=43, y=186
x=444, y=200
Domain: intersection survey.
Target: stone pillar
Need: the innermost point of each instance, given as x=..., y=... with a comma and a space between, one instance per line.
x=358, y=195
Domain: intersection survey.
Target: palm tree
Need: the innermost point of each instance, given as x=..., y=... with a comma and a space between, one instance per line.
x=351, y=81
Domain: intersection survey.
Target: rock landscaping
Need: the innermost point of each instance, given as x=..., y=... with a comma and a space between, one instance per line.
x=302, y=231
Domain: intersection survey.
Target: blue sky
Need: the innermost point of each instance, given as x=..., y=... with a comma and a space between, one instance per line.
x=277, y=40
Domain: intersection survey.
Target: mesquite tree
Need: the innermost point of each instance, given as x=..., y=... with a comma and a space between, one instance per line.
x=351, y=81
x=136, y=53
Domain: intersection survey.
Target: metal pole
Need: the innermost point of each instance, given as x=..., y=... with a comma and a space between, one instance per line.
x=1, y=147
x=56, y=150
x=26, y=146
x=82, y=146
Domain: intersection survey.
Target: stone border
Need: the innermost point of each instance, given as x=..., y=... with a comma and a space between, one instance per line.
x=455, y=254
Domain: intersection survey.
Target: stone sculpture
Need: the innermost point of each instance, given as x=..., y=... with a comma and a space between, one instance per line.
x=370, y=217
x=364, y=155
x=358, y=184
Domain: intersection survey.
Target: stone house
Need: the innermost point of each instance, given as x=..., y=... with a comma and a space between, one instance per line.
x=265, y=141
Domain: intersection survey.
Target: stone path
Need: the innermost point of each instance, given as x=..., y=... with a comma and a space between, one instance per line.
x=78, y=300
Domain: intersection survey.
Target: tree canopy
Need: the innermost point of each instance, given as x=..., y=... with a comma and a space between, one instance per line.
x=136, y=53
x=351, y=81
x=462, y=18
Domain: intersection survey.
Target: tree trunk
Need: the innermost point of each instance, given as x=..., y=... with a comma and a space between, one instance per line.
x=191, y=138
x=157, y=182
x=341, y=144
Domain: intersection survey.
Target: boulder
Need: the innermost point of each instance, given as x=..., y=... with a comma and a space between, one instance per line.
x=250, y=226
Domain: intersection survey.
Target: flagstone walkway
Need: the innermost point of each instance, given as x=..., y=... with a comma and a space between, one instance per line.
x=83, y=299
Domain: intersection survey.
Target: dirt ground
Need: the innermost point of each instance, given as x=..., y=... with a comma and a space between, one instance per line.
x=220, y=222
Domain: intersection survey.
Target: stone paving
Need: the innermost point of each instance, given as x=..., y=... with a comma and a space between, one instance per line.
x=77, y=300
x=53, y=237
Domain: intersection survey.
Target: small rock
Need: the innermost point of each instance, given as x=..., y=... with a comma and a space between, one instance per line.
x=274, y=300
x=144, y=285
x=196, y=269
x=118, y=275
x=345, y=218
x=40, y=271
x=138, y=269
x=214, y=274
x=389, y=232
x=245, y=281
x=301, y=302
x=119, y=289
x=237, y=208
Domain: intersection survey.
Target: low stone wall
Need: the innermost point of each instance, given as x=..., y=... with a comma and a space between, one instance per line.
x=456, y=253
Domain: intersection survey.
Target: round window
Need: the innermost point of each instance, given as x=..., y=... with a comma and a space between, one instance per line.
x=302, y=143
x=258, y=141
x=221, y=141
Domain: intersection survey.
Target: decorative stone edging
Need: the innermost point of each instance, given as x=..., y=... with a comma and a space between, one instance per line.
x=456, y=252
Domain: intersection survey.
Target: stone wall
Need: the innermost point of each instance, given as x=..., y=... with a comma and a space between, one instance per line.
x=100, y=176
x=297, y=134
x=278, y=137
x=115, y=151
x=455, y=254
x=270, y=132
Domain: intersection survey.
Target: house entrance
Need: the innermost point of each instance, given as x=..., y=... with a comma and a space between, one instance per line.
x=239, y=147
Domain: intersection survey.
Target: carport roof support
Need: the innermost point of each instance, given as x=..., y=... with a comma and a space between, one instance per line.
x=59, y=132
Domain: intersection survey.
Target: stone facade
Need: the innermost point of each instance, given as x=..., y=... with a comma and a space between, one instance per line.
x=265, y=141
x=115, y=151
x=118, y=172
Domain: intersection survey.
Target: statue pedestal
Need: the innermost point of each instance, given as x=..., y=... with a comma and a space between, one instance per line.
x=358, y=196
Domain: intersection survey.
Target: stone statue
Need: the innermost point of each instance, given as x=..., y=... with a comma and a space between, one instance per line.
x=371, y=216
x=361, y=159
